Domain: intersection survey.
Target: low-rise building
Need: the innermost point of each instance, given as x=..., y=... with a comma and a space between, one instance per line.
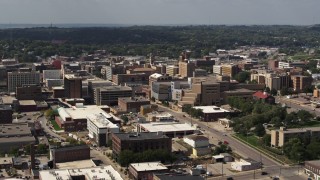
x=170, y=129
x=100, y=172
x=132, y=104
x=100, y=128
x=139, y=142
x=264, y=97
x=212, y=113
x=222, y=157
x=312, y=169
x=5, y=114
x=15, y=135
x=5, y=162
x=280, y=136
x=148, y=108
x=200, y=144
x=160, y=117
x=69, y=153
x=245, y=165
x=146, y=170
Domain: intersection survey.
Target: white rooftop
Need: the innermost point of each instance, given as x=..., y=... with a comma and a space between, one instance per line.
x=148, y=166
x=218, y=156
x=79, y=113
x=156, y=75
x=88, y=163
x=103, y=172
x=211, y=109
x=167, y=127
x=101, y=120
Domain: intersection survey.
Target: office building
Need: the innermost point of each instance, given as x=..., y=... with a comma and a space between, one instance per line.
x=186, y=69
x=69, y=153
x=170, y=129
x=100, y=128
x=72, y=86
x=110, y=95
x=132, y=104
x=229, y=70
x=172, y=70
x=299, y=83
x=281, y=136
x=29, y=92
x=312, y=169
x=5, y=114
x=199, y=73
x=100, y=172
x=51, y=83
x=18, y=79
x=130, y=79
x=145, y=170
x=212, y=113
x=139, y=142
x=51, y=74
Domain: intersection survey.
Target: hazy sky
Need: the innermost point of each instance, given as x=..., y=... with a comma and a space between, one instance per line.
x=297, y=12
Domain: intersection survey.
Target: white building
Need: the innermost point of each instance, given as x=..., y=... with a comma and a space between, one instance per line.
x=196, y=141
x=170, y=129
x=50, y=83
x=100, y=128
x=160, y=117
x=51, y=74
x=217, y=69
x=245, y=165
x=18, y=79
x=100, y=172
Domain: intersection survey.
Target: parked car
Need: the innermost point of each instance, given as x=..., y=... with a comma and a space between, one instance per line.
x=225, y=142
x=264, y=173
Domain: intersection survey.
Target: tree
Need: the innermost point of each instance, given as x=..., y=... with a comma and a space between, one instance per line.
x=284, y=91
x=313, y=150
x=223, y=148
x=259, y=130
x=125, y=119
x=294, y=149
x=267, y=90
x=266, y=139
x=304, y=116
x=242, y=77
x=126, y=157
x=273, y=92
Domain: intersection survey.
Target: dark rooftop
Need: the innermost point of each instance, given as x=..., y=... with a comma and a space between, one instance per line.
x=169, y=176
x=140, y=136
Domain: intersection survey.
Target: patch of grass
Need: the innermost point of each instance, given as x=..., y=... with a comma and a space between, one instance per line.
x=55, y=125
x=307, y=124
x=251, y=139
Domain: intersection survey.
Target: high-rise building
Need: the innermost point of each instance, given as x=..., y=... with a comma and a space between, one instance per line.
x=18, y=79
x=172, y=70
x=72, y=86
x=299, y=82
x=229, y=70
x=109, y=95
x=186, y=69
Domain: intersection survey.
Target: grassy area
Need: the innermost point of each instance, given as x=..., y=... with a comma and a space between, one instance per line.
x=55, y=125
x=307, y=124
x=254, y=142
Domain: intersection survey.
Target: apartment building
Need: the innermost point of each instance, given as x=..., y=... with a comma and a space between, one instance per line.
x=172, y=70
x=109, y=95
x=299, y=82
x=18, y=79
x=281, y=136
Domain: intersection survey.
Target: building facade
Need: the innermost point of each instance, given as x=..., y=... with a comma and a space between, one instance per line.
x=110, y=95
x=18, y=79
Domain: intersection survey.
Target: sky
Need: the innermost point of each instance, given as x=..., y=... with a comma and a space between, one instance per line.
x=160, y=12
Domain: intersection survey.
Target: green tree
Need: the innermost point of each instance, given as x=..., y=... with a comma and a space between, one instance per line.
x=313, y=150
x=259, y=130
x=125, y=119
x=294, y=149
x=266, y=140
x=242, y=77
x=126, y=157
x=223, y=148
x=284, y=91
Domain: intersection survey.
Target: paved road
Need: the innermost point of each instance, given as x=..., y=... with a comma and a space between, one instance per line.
x=240, y=148
x=43, y=121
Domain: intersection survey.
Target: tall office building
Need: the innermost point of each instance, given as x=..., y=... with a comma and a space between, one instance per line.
x=18, y=79
x=72, y=86
x=186, y=69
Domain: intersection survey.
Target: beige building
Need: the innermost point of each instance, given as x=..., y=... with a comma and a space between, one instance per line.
x=300, y=82
x=172, y=70
x=229, y=70
x=186, y=69
x=281, y=136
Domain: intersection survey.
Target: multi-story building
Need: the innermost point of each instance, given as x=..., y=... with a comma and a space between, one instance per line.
x=18, y=79
x=217, y=69
x=139, y=142
x=132, y=104
x=50, y=83
x=128, y=79
x=69, y=153
x=212, y=113
x=100, y=128
x=51, y=74
x=170, y=129
x=281, y=136
x=300, y=82
x=229, y=70
x=285, y=65
x=199, y=73
x=186, y=69
x=172, y=70
x=29, y=92
x=5, y=114
x=156, y=77
x=109, y=95
x=161, y=90
x=101, y=172
x=72, y=86
x=312, y=169
x=146, y=170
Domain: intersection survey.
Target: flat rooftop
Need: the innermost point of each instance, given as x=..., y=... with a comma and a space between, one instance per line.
x=79, y=112
x=27, y=103
x=298, y=130
x=167, y=127
x=14, y=129
x=139, y=136
x=76, y=164
x=211, y=109
x=101, y=172
x=102, y=120
x=134, y=99
x=17, y=140
x=148, y=166
x=6, y=160
x=116, y=88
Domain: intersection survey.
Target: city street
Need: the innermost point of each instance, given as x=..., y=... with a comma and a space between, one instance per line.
x=270, y=166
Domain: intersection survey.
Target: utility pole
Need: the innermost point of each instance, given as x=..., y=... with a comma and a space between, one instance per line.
x=254, y=174
x=222, y=169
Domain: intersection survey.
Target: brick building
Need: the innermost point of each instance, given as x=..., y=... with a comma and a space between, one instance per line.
x=69, y=153
x=132, y=104
x=29, y=92
x=146, y=170
x=5, y=114
x=139, y=142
